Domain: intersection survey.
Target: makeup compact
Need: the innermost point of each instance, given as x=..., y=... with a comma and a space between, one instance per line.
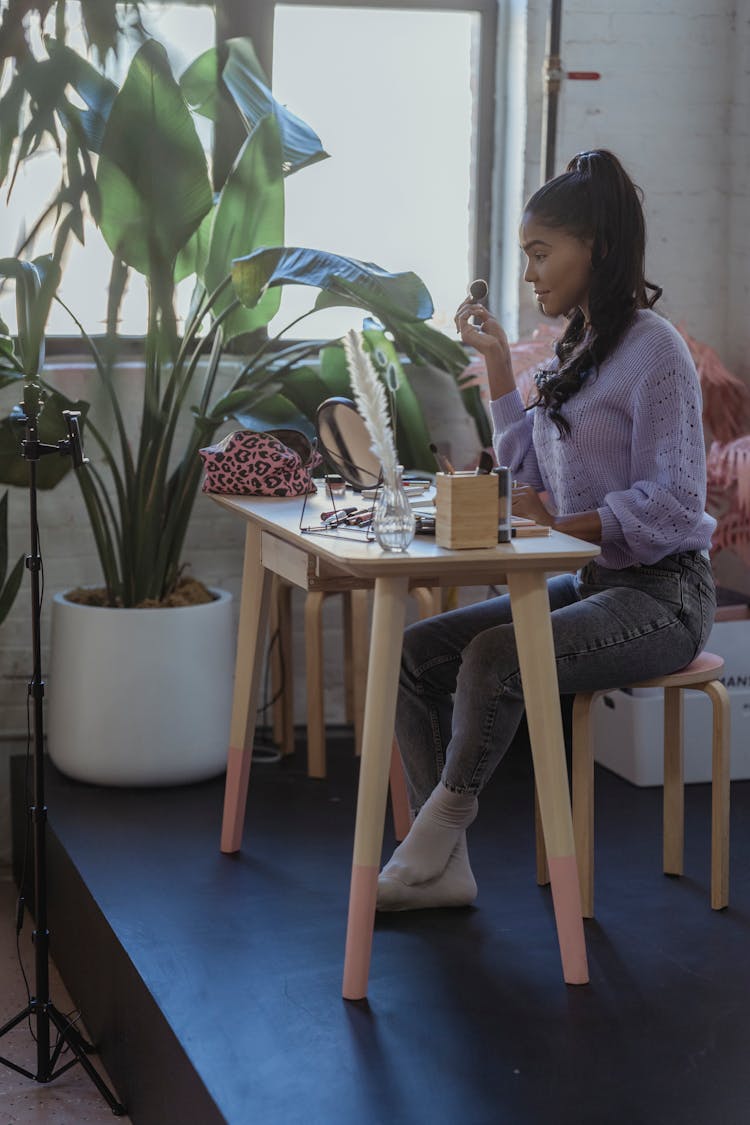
x=335, y=485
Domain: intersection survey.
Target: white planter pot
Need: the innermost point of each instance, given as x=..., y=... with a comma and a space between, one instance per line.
x=140, y=696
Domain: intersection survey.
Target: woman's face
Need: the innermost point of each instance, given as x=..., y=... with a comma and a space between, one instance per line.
x=558, y=266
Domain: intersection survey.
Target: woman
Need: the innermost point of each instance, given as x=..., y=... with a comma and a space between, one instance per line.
x=612, y=451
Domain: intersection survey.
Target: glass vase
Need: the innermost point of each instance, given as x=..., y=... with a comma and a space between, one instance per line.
x=394, y=523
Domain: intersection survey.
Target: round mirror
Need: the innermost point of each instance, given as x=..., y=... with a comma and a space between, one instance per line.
x=345, y=443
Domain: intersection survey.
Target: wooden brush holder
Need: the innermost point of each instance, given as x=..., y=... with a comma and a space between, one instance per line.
x=466, y=508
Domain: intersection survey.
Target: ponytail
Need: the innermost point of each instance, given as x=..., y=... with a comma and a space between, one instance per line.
x=595, y=199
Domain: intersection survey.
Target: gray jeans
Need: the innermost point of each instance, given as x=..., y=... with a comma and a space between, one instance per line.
x=460, y=699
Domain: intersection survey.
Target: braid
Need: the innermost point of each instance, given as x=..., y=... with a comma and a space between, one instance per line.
x=594, y=199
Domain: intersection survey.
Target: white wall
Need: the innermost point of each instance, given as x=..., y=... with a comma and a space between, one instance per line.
x=672, y=102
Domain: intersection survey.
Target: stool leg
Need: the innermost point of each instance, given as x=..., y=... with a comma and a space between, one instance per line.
x=285, y=669
x=316, y=732
x=399, y=797
x=277, y=709
x=542, y=869
x=583, y=798
x=425, y=600
x=674, y=788
x=720, y=782
x=348, y=654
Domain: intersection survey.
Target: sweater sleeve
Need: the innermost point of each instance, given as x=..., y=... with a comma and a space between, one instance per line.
x=513, y=438
x=666, y=501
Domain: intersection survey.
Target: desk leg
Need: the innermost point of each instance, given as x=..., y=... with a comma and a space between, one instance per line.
x=531, y=618
x=386, y=638
x=255, y=598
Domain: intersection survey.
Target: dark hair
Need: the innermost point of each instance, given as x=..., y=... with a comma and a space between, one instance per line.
x=595, y=199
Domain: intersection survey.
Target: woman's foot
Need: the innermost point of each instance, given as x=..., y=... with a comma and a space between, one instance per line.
x=439, y=825
x=455, y=886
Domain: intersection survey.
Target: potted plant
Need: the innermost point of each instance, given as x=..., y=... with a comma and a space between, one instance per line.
x=141, y=171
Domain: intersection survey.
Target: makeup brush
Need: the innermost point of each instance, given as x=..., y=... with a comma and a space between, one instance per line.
x=485, y=463
x=442, y=461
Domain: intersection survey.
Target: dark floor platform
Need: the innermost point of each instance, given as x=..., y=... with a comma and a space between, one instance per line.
x=213, y=983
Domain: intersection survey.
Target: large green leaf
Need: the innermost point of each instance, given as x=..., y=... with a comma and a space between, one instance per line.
x=301, y=145
x=412, y=437
x=8, y=358
x=334, y=372
x=45, y=81
x=100, y=23
x=36, y=283
x=376, y=289
x=194, y=254
x=200, y=85
x=96, y=91
x=276, y=412
x=152, y=172
x=10, y=121
x=250, y=214
x=305, y=387
x=423, y=344
x=244, y=79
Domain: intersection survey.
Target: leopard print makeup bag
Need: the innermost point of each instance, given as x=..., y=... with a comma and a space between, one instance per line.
x=274, y=463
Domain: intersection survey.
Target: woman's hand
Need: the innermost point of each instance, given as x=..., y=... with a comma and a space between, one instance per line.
x=526, y=502
x=489, y=339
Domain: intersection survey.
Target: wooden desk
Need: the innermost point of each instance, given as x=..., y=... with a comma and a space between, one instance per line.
x=274, y=544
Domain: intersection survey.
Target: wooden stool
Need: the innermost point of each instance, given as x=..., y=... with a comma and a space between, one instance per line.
x=356, y=642
x=702, y=675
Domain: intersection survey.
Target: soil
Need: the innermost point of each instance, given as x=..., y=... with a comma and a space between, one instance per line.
x=188, y=591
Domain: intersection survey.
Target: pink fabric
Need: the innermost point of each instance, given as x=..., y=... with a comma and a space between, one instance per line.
x=705, y=662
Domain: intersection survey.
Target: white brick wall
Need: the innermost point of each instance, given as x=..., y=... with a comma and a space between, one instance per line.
x=734, y=232
x=672, y=102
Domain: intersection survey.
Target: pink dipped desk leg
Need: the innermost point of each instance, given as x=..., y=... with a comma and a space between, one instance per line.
x=386, y=638
x=254, y=605
x=533, y=629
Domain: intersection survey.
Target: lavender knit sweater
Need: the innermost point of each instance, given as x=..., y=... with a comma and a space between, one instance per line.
x=635, y=453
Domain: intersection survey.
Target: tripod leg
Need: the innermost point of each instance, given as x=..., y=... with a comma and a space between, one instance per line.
x=73, y=1038
x=72, y=1034
x=28, y=1010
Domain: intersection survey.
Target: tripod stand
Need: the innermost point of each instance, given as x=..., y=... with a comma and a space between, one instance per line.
x=40, y=1006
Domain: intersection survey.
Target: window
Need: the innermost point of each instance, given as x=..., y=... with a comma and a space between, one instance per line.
x=184, y=31
x=402, y=98
x=390, y=94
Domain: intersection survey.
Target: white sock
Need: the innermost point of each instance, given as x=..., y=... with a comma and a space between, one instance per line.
x=439, y=825
x=456, y=886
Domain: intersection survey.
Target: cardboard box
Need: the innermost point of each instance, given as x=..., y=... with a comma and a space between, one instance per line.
x=628, y=726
